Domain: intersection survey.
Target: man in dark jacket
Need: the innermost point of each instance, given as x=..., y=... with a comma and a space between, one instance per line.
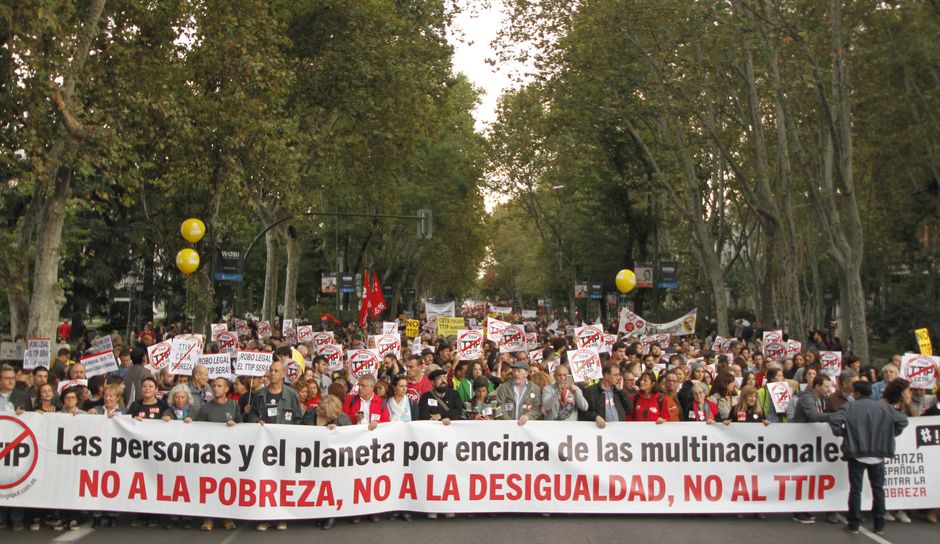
x=868, y=428
x=607, y=401
x=440, y=403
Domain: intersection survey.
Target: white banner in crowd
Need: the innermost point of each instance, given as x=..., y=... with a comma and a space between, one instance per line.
x=219, y=365
x=632, y=324
x=435, y=310
x=38, y=353
x=469, y=345
x=292, y=472
x=252, y=363
x=99, y=363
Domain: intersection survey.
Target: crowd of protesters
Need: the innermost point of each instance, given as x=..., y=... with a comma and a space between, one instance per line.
x=685, y=380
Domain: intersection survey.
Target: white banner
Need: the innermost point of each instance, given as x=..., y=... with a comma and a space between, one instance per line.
x=585, y=365
x=99, y=363
x=469, y=345
x=494, y=329
x=186, y=349
x=362, y=362
x=632, y=324
x=387, y=344
x=390, y=327
x=530, y=314
x=504, y=310
x=218, y=364
x=38, y=353
x=295, y=472
x=12, y=351
x=102, y=343
x=252, y=363
x=444, y=310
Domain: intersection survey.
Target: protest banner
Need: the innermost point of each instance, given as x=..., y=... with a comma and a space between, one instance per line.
x=512, y=339
x=304, y=334
x=469, y=345
x=794, y=347
x=186, y=349
x=216, y=329
x=448, y=326
x=320, y=339
x=362, y=362
x=102, y=343
x=780, y=395
x=288, y=332
x=590, y=337
x=333, y=355
x=388, y=344
x=252, y=363
x=439, y=310
x=920, y=370
x=412, y=327
x=218, y=364
x=264, y=330
x=99, y=363
x=632, y=324
x=831, y=363
x=774, y=346
x=65, y=384
x=530, y=314
x=242, y=329
x=38, y=353
x=531, y=341
x=292, y=472
x=12, y=351
x=227, y=342
x=662, y=340
x=158, y=356
x=503, y=310
x=585, y=365
x=923, y=341
x=389, y=327
x=536, y=356
x=494, y=329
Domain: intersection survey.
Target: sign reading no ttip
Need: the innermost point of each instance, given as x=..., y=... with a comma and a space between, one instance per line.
x=18, y=452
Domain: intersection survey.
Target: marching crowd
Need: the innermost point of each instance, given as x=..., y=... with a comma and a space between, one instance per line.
x=686, y=380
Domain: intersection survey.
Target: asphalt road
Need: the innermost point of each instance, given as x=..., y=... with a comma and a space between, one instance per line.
x=507, y=529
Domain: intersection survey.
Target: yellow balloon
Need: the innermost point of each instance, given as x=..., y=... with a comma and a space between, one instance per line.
x=193, y=230
x=187, y=260
x=626, y=280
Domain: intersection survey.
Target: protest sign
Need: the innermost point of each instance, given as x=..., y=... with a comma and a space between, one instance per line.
x=439, y=310
x=780, y=395
x=242, y=329
x=264, y=330
x=794, y=347
x=65, y=384
x=712, y=370
x=590, y=337
x=388, y=344
x=99, y=363
x=923, y=341
x=772, y=336
x=585, y=365
x=252, y=363
x=158, y=356
x=186, y=349
x=102, y=343
x=38, y=353
x=333, y=355
x=447, y=326
x=530, y=314
x=216, y=330
x=288, y=332
x=362, y=362
x=320, y=339
x=831, y=363
x=512, y=339
x=774, y=346
x=412, y=326
x=531, y=341
x=304, y=334
x=227, y=342
x=631, y=324
x=504, y=310
x=12, y=351
x=494, y=329
x=477, y=467
x=920, y=370
x=390, y=327
x=536, y=356
x=218, y=364
x=469, y=345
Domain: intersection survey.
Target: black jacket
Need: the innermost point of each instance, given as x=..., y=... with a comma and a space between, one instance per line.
x=868, y=428
x=594, y=396
x=431, y=403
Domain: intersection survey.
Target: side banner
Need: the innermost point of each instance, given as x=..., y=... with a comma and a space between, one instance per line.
x=248, y=471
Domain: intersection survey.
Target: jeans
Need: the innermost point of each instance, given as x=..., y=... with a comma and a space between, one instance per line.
x=876, y=477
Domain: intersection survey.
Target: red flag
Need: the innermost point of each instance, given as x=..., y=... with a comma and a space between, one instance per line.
x=365, y=303
x=377, y=298
x=330, y=317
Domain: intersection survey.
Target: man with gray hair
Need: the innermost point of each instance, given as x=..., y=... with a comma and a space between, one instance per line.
x=845, y=392
x=199, y=387
x=889, y=373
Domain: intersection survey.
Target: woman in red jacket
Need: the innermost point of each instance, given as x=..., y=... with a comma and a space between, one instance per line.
x=648, y=403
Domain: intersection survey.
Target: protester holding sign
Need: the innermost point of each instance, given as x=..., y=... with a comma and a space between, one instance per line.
x=607, y=400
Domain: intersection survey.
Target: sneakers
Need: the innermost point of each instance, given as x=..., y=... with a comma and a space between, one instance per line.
x=880, y=531
x=263, y=526
x=851, y=529
x=207, y=525
x=805, y=519
x=832, y=518
x=328, y=524
x=228, y=525
x=73, y=525
x=432, y=516
x=932, y=517
x=18, y=526
x=281, y=526
x=902, y=516
x=34, y=526
x=449, y=515
x=889, y=517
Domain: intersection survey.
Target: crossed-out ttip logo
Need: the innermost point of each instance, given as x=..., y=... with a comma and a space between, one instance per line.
x=18, y=455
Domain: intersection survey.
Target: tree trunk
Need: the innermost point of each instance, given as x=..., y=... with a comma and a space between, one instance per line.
x=272, y=244
x=47, y=296
x=293, y=270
